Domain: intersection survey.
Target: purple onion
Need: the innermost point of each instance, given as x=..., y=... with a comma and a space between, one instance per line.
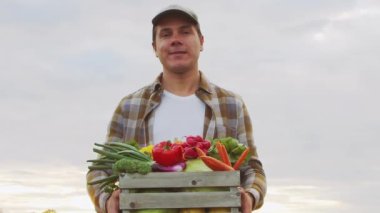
x=179, y=167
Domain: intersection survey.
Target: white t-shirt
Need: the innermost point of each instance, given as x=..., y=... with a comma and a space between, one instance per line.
x=178, y=116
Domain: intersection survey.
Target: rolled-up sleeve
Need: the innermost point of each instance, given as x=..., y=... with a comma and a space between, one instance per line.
x=253, y=178
x=97, y=195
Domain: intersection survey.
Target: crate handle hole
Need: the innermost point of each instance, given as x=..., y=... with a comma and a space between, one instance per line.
x=132, y=204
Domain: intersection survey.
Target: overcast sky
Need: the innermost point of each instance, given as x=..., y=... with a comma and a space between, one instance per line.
x=308, y=71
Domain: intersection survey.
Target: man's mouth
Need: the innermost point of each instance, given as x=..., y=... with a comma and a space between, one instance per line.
x=177, y=52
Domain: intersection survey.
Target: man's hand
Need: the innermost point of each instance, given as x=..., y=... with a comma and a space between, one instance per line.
x=246, y=201
x=112, y=204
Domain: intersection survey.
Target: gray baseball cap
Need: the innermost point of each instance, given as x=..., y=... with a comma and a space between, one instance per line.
x=175, y=9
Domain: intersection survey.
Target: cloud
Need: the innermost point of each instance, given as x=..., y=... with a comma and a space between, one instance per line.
x=40, y=187
x=313, y=195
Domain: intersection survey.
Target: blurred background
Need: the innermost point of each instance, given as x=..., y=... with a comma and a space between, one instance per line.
x=307, y=70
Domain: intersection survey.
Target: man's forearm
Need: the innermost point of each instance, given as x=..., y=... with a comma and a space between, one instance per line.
x=98, y=197
x=253, y=181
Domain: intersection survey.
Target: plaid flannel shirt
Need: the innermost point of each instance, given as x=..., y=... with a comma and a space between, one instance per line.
x=226, y=115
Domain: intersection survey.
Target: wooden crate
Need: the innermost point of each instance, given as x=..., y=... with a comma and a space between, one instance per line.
x=178, y=197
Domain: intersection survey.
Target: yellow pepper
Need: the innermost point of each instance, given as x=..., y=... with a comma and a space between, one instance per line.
x=147, y=150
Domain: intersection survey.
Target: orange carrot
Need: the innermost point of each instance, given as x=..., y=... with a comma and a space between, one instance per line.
x=200, y=152
x=241, y=159
x=223, y=153
x=215, y=164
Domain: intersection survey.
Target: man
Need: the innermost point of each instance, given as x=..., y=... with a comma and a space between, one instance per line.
x=182, y=102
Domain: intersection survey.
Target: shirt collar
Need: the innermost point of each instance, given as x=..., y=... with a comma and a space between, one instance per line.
x=156, y=86
x=204, y=84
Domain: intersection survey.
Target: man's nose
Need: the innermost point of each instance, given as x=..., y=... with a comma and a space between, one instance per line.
x=176, y=40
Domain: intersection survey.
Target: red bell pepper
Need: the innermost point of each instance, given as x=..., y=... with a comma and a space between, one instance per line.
x=167, y=153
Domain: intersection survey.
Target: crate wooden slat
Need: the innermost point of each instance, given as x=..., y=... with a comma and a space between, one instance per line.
x=179, y=181
x=179, y=200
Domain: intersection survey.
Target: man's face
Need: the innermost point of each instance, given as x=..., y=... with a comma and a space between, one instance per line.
x=177, y=44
